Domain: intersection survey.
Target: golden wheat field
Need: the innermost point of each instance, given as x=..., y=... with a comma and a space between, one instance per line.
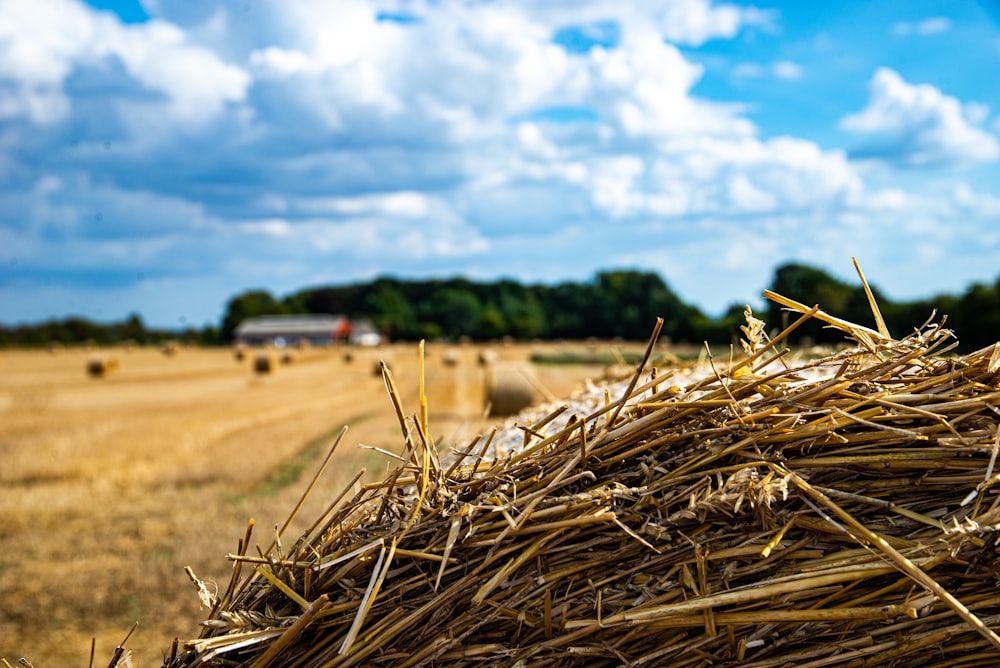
x=112, y=484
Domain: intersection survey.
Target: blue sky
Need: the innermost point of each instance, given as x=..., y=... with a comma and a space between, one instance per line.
x=160, y=156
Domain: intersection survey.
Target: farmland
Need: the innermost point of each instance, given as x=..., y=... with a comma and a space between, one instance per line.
x=111, y=486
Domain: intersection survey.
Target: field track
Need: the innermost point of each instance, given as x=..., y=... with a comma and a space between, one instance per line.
x=111, y=486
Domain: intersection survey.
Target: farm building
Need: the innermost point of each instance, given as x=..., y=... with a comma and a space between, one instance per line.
x=317, y=330
x=364, y=333
x=288, y=330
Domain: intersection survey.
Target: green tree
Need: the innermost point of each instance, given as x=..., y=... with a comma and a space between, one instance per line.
x=133, y=329
x=248, y=305
x=629, y=302
x=520, y=310
x=569, y=308
x=391, y=312
x=455, y=311
x=491, y=325
x=978, y=321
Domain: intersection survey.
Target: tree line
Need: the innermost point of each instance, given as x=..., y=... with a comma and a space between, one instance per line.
x=617, y=303
x=76, y=330
x=614, y=303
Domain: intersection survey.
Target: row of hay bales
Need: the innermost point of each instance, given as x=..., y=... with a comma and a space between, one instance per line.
x=508, y=386
x=102, y=366
x=273, y=355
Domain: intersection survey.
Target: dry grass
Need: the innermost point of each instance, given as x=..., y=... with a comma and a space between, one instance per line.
x=111, y=488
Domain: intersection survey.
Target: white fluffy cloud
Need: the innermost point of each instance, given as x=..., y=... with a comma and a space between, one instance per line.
x=291, y=143
x=44, y=41
x=928, y=26
x=782, y=69
x=685, y=22
x=723, y=176
x=919, y=126
x=694, y=22
x=498, y=59
x=786, y=69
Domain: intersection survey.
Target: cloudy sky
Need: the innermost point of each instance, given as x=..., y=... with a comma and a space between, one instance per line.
x=160, y=156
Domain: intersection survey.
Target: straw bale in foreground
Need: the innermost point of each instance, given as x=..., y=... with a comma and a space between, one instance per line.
x=777, y=512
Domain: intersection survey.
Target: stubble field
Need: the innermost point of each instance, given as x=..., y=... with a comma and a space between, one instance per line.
x=111, y=486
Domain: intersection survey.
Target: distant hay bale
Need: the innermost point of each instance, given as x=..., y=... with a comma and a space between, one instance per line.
x=348, y=356
x=287, y=358
x=486, y=357
x=618, y=371
x=101, y=367
x=239, y=353
x=170, y=348
x=263, y=364
x=508, y=389
x=450, y=358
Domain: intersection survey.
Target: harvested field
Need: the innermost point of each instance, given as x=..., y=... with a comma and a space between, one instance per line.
x=768, y=509
x=112, y=487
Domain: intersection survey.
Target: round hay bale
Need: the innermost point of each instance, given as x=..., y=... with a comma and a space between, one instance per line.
x=486, y=357
x=618, y=371
x=239, y=353
x=170, y=348
x=450, y=358
x=287, y=358
x=100, y=367
x=508, y=390
x=348, y=356
x=263, y=364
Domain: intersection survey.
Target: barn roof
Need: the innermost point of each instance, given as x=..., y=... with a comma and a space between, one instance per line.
x=302, y=325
